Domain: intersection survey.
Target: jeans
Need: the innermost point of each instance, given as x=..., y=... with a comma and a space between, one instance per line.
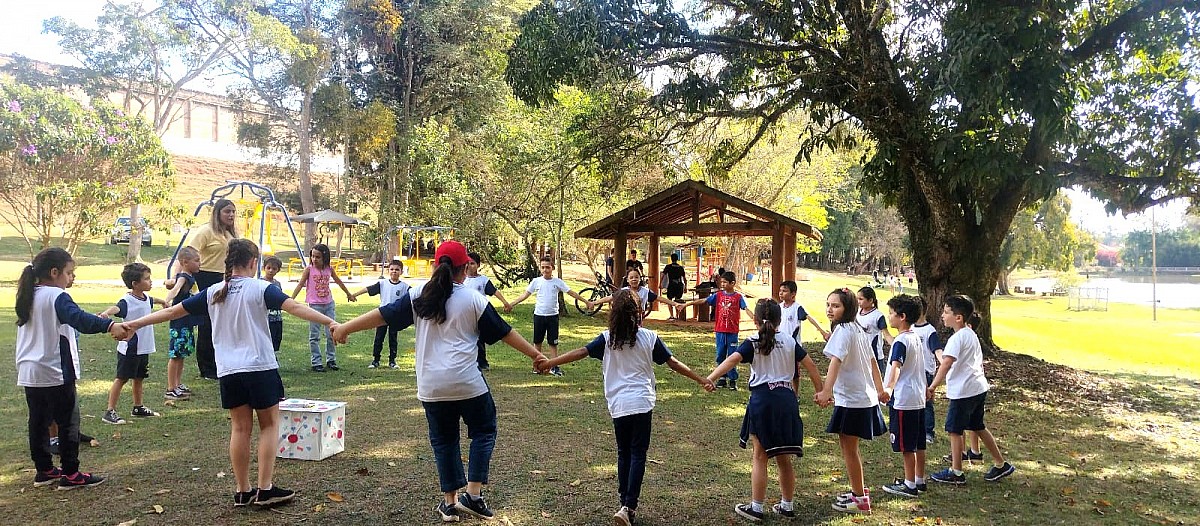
x=53, y=404
x=382, y=331
x=929, y=408
x=479, y=414
x=726, y=345
x=206, y=359
x=315, y=330
x=633, y=439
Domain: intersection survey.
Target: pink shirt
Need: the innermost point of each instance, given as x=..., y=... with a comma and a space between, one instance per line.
x=317, y=289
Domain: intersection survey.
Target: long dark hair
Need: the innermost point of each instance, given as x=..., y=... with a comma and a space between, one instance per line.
x=432, y=303
x=849, y=306
x=624, y=319
x=869, y=294
x=214, y=222
x=45, y=261
x=964, y=306
x=768, y=314
x=324, y=250
x=241, y=253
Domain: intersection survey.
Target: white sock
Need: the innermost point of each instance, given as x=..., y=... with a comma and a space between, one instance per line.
x=920, y=480
x=955, y=471
x=785, y=505
x=756, y=506
x=910, y=484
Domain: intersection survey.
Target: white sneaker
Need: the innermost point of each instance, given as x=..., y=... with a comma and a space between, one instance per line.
x=621, y=518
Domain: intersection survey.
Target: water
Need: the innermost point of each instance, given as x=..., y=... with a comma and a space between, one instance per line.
x=1175, y=291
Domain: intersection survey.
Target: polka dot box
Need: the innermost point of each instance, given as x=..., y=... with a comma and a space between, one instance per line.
x=311, y=429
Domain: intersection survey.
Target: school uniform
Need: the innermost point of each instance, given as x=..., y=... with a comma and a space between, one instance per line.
x=275, y=322
x=133, y=355
x=629, y=389
x=966, y=385
x=387, y=292
x=929, y=336
x=906, y=410
x=247, y=370
x=873, y=323
x=545, y=308
x=855, y=400
x=645, y=298
x=791, y=318
x=181, y=333
x=483, y=285
x=772, y=415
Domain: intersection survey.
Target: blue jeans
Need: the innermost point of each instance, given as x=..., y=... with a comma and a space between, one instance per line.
x=479, y=414
x=928, y=408
x=315, y=330
x=726, y=345
x=633, y=439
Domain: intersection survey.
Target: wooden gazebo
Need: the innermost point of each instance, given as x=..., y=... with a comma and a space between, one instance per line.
x=692, y=208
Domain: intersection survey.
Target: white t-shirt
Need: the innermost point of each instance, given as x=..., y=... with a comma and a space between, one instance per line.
x=388, y=291
x=481, y=284
x=933, y=343
x=854, y=387
x=629, y=371
x=446, y=353
x=792, y=317
x=47, y=353
x=779, y=366
x=965, y=378
x=241, y=336
x=909, y=392
x=130, y=308
x=546, y=291
x=873, y=323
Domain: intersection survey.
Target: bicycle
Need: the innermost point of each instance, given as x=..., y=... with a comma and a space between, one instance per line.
x=603, y=289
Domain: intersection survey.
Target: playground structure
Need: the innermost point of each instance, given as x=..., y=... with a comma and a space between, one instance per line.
x=262, y=207
x=704, y=260
x=414, y=246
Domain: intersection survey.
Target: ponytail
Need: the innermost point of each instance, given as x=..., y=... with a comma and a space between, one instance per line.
x=240, y=253
x=768, y=314
x=45, y=261
x=432, y=303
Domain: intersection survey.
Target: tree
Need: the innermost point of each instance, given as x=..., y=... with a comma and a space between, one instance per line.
x=976, y=110
x=66, y=167
x=1043, y=238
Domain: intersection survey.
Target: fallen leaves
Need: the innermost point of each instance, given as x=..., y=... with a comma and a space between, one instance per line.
x=576, y=483
x=363, y=472
x=220, y=474
x=158, y=509
x=335, y=496
x=129, y=522
x=370, y=399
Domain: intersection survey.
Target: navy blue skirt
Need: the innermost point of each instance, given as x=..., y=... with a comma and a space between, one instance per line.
x=773, y=416
x=863, y=422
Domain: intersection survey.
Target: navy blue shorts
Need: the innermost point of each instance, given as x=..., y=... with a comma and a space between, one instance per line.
x=258, y=389
x=545, y=328
x=863, y=422
x=907, y=428
x=133, y=366
x=966, y=414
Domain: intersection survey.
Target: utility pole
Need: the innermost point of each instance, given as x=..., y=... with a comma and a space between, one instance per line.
x=1153, y=264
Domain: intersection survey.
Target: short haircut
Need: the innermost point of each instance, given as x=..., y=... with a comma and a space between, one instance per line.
x=546, y=259
x=133, y=272
x=188, y=253
x=790, y=285
x=906, y=306
x=272, y=261
x=632, y=251
x=729, y=276
x=674, y=257
x=396, y=263
x=475, y=257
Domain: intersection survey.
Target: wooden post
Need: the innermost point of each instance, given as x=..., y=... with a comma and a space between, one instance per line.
x=652, y=271
x=789, y=256
x=620, y=254
x=777, y=258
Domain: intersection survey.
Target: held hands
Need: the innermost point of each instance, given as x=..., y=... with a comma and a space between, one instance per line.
x=884, y=396
x=825, y=334
x=351, y=298
x=120, y=331
x=708, y=385
x=929, y=392
x=823, y=398
x=507, y=308
x=339, y=336
x=541, y=363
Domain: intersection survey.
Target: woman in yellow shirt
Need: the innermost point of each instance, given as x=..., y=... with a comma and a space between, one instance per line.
x=212, y=241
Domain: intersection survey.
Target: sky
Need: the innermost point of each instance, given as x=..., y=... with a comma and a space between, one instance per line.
x=21, y=33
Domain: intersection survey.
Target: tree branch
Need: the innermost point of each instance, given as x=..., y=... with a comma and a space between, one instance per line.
x=1105, y=38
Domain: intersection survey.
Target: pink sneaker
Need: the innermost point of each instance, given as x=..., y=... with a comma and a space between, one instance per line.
x=854, y=504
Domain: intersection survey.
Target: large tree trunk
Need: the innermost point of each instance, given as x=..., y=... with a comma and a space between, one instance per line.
x=134, y=253
x=306, y=194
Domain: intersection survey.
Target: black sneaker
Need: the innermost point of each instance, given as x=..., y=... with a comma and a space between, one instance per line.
x=318, y=368
x=900, y=489
x=331, y=365
x=448, y=512
x=374, y=364
x=733, y=385
x=177, y=394
x=922, y=487
x=392, y=365
x=474, y=506
x=747, y=512
x=967, y=456
x=721, y=383
x=946, y=476
x=46, y=478
x=143, y=411
x=111, y=417
x=273, y=496
x=183, y=388
x=997, y=473
x=556, y=371
x=78, y=480
x=778, y=509
x=54, y=449
x=244, y=498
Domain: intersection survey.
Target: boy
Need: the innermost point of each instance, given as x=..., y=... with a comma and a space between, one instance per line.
x=545, y=309
x=905, y=384
x=271, y=267
x=133, y=355
x=675, y=278
x=481, y=283
x=933, y=344
x=794, y=313
x=388, y=290
x=966, y=387
x=182, y=332
x=729, y=305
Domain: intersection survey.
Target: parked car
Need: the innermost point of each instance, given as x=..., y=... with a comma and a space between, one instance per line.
x=120, y=232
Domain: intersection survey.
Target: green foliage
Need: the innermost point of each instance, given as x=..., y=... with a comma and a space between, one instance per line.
x=1179, y=247
x=1043, y=238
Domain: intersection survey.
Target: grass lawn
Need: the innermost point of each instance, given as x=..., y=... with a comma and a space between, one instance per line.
x=1114, y=446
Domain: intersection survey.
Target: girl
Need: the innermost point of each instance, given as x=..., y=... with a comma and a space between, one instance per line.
x=48, y=363
x=772, y=424
x=643, y=295
x=316, y=278
x=449, y=319
x=484, y=286
x=628, y=353
x=854, y=386
x=873, y=322
x=211, y=241
x=246, y=366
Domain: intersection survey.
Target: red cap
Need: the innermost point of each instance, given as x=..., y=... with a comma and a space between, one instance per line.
x=453, y=250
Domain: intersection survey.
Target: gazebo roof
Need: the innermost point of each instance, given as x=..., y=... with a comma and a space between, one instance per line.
x=694, y=208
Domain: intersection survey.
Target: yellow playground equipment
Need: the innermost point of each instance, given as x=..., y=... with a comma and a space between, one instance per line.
x=414, y=246
x=703, y=260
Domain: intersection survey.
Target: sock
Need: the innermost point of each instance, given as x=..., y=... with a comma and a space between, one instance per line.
x=999, y=466
x=975, y=453
x=956, y=472
x=785, y=505
x=475, y=498
x=756, y=506
x=910, y=484
x=920, y=480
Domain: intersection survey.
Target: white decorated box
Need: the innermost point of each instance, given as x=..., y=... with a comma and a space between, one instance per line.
x=311, y=429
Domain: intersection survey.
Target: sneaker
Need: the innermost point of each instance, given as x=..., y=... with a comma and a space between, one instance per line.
x=997, y=473
x=79, y=480
x=747, y=512
x=46, y=478
x=556, y=371
x=318, y=368
x=392, y=365
x=900, y=489
x=183, y=388
x=623, y=517
x=374, y=365
x=854, y=504
x=721, y=383
x=448, y=512
x=474, y=506
x=922, y=487
x=967, y=456
x=54, y=449
x=946, y=476
x=275, y=495
x=143, y=411
x=244, y=498
x=111, y=417
x=176, y=394
x=331, y=365
x=778, y=509
x=733, y=385
x=928, y=438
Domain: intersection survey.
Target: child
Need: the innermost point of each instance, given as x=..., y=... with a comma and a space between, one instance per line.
x=933, y=344
x=966, y=387
x=271, y=267
x=182, y=332
x=484, y=285
x=793, y=313
x=545, y=310
x=875, y=325
x=316, y=278
x=133, y=356
x=772, y=424
x=388, y=290
x=47, y=359
x=906, y=386
x=628, y=354
x=643, y=295
x=246, y=367
x=727, y=320
x=854, y=387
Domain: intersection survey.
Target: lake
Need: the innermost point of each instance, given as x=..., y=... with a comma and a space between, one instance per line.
x=1175, y=291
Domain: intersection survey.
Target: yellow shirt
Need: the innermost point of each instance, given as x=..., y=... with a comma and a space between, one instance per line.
x=212, y=247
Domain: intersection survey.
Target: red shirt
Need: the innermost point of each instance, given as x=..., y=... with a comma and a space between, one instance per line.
x=729, y=310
